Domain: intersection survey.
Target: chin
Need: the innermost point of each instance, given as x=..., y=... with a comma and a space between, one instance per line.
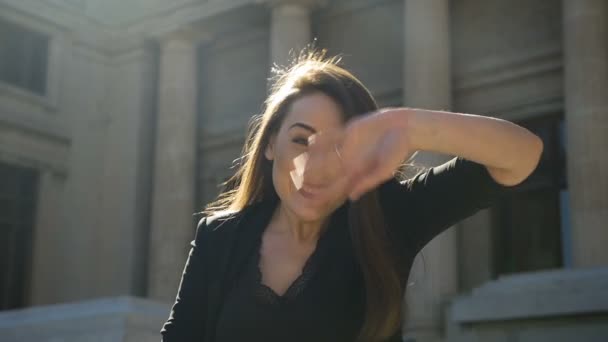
x=305, y=213
x=311, y=210
x=304, y=210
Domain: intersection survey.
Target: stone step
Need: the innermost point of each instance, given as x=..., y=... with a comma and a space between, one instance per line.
x=555, y=280
x=541, y=294
x=117, y=319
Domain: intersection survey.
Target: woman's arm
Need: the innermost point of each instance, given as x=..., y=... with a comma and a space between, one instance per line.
x=375, y=145
x=493, y=156
x=509, y=152
x=187, y=318
x=422, y=207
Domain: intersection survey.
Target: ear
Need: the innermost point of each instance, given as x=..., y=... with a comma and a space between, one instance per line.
x=269, y=150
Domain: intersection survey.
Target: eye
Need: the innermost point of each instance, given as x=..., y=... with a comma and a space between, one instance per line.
x=300, y=141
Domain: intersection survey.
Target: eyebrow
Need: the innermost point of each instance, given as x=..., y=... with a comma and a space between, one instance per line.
x=302, y=125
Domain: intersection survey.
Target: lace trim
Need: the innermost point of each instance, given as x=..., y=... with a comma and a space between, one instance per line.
x=267, y=295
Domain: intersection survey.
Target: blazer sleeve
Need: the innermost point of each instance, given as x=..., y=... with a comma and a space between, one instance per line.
x=422, y=207
x=187, y=316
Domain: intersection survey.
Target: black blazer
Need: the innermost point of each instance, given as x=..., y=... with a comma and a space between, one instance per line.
x=218, y=252
x=416, y=210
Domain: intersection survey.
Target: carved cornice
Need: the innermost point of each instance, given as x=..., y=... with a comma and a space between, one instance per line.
x=186, y=16
x=528, y=64
x=110, y=41
x=308, y=4
x=347, y=7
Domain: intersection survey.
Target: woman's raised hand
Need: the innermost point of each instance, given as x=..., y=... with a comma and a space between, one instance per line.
x=358, y=157
x=372, y=148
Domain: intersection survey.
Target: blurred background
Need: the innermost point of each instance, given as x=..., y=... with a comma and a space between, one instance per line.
x=119, y=119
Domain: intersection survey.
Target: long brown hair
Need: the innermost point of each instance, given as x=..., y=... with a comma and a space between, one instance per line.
x=312, y=72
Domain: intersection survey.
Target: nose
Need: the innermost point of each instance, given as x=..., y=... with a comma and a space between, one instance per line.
x=321, y=165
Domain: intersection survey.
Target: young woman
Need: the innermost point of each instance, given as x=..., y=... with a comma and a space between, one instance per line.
x=314, y=237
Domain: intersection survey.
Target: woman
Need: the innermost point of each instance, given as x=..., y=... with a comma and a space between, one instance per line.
x=314, y=237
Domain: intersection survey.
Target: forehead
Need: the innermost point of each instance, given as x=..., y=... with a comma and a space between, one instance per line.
x=317, y=110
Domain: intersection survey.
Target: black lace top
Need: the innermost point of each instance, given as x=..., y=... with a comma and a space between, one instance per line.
x=308, y=309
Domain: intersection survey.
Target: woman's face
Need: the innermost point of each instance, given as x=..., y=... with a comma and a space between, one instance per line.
x=309, y=115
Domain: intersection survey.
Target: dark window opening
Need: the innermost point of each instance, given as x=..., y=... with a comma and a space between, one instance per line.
x=528, y=224
x=23, y=58
x=18, y=193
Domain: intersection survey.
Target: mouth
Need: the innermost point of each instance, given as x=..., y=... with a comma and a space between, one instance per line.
x=307, y=194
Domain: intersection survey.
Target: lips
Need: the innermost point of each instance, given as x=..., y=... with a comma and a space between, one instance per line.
x=307, y=194
x=312, y=192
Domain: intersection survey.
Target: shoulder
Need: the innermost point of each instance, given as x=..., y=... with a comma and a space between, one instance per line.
x=214, y=221
x=221, y=223
x=211, y=224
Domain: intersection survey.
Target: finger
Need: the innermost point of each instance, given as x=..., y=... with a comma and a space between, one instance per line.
x=385, y=161
x=297, y=179
x=297, y=174
x=337, y=176
x=351, y=144
x=338, y=188
x=300, y=162
x=359, y=174
x=370, y=180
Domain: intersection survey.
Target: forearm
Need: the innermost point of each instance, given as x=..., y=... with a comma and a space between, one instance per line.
x=509, y=150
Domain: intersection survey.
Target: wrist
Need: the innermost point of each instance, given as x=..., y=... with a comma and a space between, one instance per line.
x=416, y=124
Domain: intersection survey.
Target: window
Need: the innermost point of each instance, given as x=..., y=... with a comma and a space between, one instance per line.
x=23, y=58
x=529, y=225
x=18, y=191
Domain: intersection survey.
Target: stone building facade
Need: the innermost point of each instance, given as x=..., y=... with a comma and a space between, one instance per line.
x=118, y=120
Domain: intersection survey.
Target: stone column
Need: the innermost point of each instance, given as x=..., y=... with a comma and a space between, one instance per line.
x=174, y=171
x=427, y=84
x=586, y=83
x=126, y=182
x=290, y=27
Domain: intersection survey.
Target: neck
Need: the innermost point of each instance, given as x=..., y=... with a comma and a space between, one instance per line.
x=286, y=221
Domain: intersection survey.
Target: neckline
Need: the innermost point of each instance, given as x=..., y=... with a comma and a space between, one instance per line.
x=294, y=289
x=299, y=283
x=336, y=225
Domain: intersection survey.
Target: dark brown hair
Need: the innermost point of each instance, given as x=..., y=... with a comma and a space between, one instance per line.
x=312, y=72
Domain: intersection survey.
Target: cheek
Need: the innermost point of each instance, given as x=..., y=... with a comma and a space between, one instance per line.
x=281, y=167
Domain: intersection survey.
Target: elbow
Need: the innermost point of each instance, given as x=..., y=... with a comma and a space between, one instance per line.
x=526, y=163
x=533, y=158
x=537, y=149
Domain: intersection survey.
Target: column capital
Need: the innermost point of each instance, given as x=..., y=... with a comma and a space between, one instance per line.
x=185, y=34
x=306, y=4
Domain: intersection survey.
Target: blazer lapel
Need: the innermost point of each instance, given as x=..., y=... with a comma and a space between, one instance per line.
x=247, y=233
x=231, y=253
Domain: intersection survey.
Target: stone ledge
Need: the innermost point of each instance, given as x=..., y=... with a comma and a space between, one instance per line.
x=125, y=319
x=535, y=295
